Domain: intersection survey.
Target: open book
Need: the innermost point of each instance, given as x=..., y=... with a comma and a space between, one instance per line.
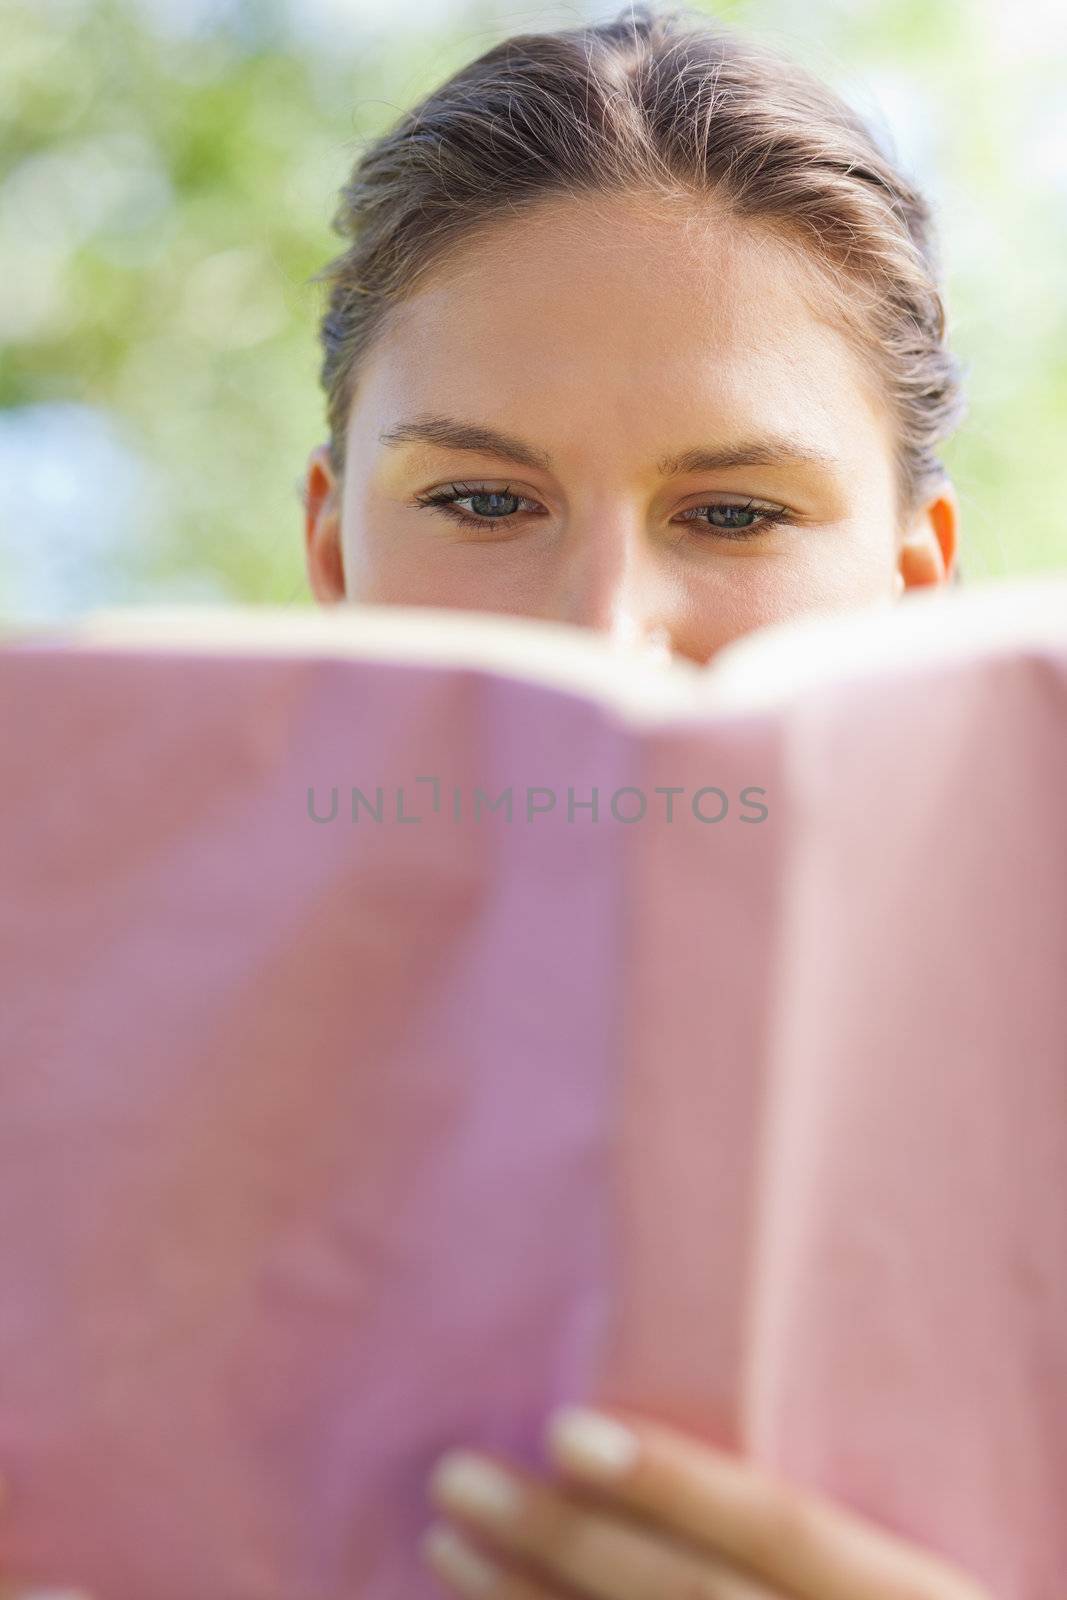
x=413, y=1020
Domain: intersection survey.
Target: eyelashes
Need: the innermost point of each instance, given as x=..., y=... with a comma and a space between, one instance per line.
x=768, y=517
x=445, y=500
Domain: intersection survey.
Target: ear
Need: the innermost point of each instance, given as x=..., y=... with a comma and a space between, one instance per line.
x=928, y=550
x=322, y=528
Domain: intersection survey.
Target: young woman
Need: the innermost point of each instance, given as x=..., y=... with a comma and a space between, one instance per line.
x=638, y=329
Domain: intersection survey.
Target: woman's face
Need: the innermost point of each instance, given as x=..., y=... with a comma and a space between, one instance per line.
x=606, y=384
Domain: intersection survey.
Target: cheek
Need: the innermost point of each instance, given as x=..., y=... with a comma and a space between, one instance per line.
x=852, y=567
x=442, y=578
x=754, y=593
x=387, y=561
x=392, y=558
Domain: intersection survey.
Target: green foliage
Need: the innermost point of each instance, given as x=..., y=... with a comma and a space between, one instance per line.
x=165, y=199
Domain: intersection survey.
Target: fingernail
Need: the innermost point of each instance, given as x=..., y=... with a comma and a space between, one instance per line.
x=590, y=1442
x=468, y=1483
x=457, y=1561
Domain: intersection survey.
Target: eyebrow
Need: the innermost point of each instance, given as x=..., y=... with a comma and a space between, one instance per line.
x=772, y=450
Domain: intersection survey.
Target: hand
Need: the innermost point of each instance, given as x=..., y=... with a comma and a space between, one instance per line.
x=645, y=1513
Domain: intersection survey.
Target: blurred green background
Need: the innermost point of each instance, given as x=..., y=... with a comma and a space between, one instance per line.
x=168, y=172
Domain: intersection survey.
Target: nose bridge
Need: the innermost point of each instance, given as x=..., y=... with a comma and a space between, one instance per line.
x=608, y=581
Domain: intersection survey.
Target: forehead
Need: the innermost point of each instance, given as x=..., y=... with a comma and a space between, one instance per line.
x=632, y=310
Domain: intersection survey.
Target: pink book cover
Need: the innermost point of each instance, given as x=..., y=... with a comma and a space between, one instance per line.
x=719, y=1072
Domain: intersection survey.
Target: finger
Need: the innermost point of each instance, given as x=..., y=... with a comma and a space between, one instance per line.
x=468, y=1570
x=809, y=1547
x=552, y=1535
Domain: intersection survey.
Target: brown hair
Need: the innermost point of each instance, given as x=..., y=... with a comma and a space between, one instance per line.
x=657, y=100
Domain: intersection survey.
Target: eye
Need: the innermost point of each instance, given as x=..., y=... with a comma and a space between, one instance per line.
x=447, y=501
x=765, y=517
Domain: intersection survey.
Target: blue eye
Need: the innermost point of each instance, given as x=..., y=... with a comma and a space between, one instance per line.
x=764, y=515
x=447, y=501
